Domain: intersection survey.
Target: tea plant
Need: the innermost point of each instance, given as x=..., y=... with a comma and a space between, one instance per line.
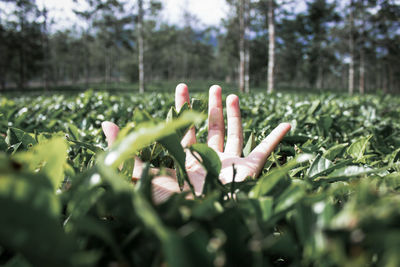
x=328, y=196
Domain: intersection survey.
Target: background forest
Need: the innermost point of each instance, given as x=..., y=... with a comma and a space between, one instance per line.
x=342, y=45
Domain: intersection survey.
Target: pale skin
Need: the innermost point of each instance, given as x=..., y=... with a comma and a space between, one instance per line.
x=250, y=166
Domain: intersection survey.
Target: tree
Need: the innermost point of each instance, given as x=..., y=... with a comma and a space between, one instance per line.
x=22, y=43
x=154, y=7
x=111, y=32
x=45, y=47
x=247, y=46
x=3, y=55
x=140, y=46
x=362, y=40
x=271, y=45
x=228, y=44
x=244, y=53
x=87, y=37
x=319, y=20
x=387, y=40
x=351, y=48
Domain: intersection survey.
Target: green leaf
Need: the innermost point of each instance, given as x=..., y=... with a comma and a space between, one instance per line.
x=197, y=241
x=140, y=116
x=393, y=180
x=268, y=181
x=296, y=139
x=144, y=185
x=198, y=105
x=319, y=166
x=266, y=206
x=394, y=156
x=172, y=244
x=74, y=131
x=212, y=164
x=49, y=157
x=209, y=158
x=127, y=169
x=289, y=197
x=209, y=207
x=144, y=136
x=3, y=144
x=250, y=145
x=173, y=145
x=30, y=220
x=357, y=149
x=324, y=124
x=334, y=151
x=83, y=200
x=315, y=105
x=91, y=147
x=90, y=226
x=173, y=114
x=350, y=171
x=15, y=136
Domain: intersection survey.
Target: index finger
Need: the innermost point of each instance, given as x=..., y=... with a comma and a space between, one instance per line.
x=260, y=154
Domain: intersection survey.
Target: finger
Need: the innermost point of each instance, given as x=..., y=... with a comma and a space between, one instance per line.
x=234, y=142
x=110, y=131
x=260, y=154
x=216, y=126
x=164, y=187
x=182, y=97
x=138, y=170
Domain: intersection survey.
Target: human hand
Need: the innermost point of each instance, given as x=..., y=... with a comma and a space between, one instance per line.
x=249, y=166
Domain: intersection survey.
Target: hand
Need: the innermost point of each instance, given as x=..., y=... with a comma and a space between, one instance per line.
x=251, y=165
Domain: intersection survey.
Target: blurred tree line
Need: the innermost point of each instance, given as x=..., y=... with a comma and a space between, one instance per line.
x=353, y=44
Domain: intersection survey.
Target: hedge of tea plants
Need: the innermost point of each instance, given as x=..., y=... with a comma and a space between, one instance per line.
x=328, y=196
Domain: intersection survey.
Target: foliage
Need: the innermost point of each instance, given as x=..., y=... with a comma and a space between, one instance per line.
x=328, y=196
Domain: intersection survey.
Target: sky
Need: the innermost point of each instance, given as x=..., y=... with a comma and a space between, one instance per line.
x=209, y=12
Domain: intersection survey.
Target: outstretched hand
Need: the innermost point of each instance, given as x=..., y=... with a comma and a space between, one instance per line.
x=164, y=186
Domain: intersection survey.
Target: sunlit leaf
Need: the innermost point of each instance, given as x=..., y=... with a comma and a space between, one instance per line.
x=357, y=149
x=267, y=182
x=144, y=136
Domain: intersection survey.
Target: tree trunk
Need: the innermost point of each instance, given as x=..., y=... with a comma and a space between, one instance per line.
x=271, y=46
x=362, y=39
x=87, y=58
x=384, y=81
x=320, y=76
x=247, y=47
x=2, y=71
x=106, y=63
x=141, y=46
x=45, y=47
x=351, y=49
x=21, y=55
x=362, y=72
x=242, y=59
x=391, y=79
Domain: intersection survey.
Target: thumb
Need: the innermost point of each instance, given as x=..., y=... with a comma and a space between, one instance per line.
x=110, y=131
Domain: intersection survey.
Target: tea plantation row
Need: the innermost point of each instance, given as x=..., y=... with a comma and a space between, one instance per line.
x=328, y=196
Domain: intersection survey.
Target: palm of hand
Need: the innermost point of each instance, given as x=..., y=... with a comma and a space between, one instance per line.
x=243, y=168
x=164, y=186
